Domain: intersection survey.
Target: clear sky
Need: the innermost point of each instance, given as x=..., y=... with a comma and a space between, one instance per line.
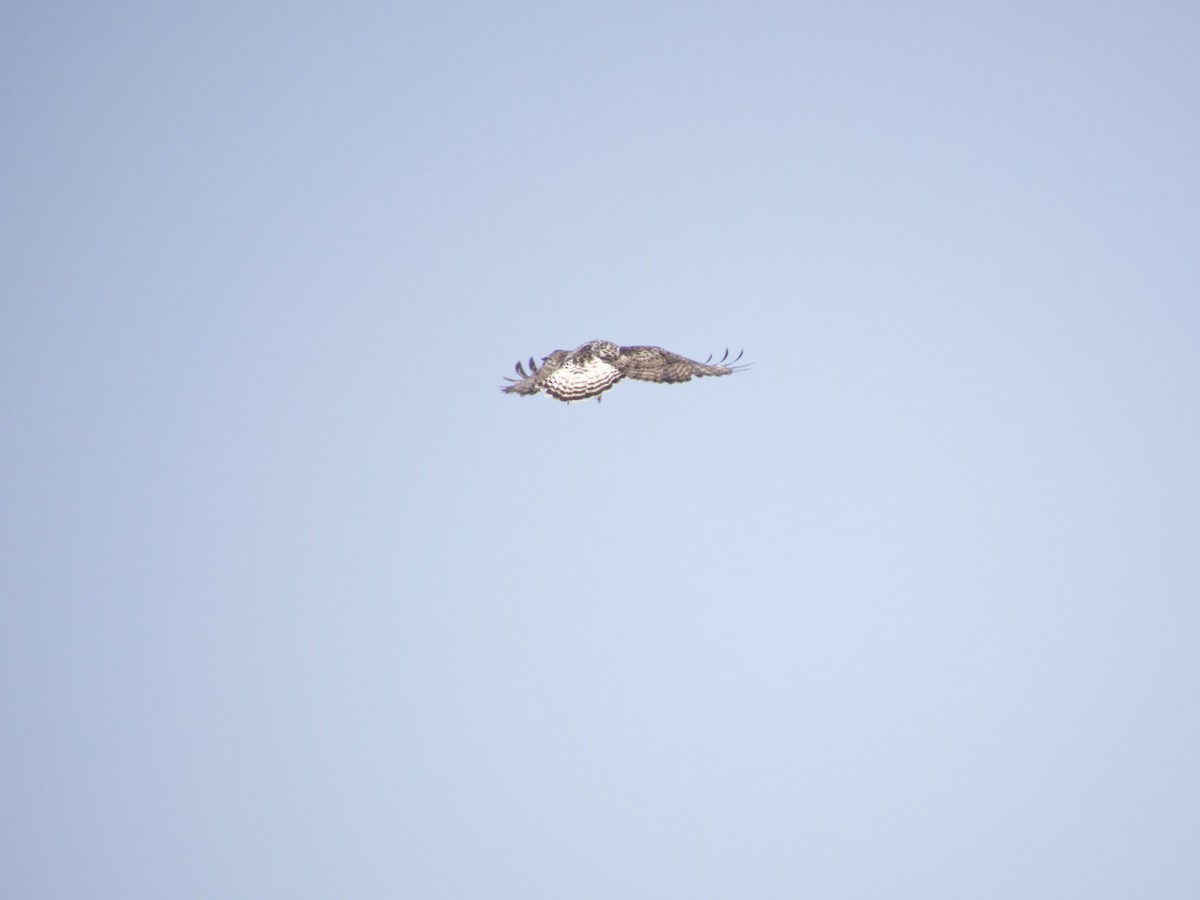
x=295, y=603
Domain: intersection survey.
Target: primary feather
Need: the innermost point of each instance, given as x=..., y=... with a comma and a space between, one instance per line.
x=592, y=368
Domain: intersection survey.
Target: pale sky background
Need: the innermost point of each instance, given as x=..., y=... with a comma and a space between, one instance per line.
x=296, y=604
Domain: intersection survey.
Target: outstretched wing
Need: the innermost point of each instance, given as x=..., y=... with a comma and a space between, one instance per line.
x=534, y=382
x=527, y=383
x=663, y=366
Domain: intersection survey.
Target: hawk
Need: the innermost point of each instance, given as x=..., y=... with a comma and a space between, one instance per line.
x=592, y=368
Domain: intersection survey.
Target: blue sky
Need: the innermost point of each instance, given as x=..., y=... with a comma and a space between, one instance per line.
x=297, y=603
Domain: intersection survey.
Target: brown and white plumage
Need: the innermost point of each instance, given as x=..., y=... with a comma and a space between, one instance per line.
x=592, y=368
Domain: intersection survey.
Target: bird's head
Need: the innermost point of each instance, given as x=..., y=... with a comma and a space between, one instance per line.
x=605, y=350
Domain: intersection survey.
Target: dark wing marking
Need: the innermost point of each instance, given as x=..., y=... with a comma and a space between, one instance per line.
x=664, y=367
x=535, y=381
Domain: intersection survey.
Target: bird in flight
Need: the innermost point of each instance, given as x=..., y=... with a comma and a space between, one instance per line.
x=592, y=368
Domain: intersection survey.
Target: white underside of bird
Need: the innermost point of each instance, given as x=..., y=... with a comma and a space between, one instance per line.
x=575, y=381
